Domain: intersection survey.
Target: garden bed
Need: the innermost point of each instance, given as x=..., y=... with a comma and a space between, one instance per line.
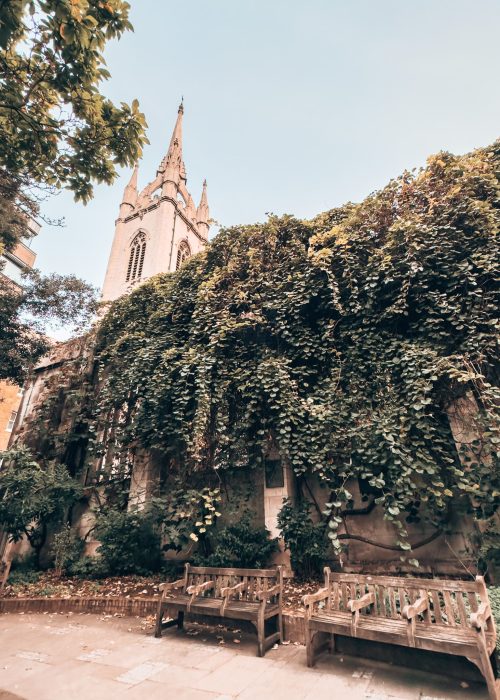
x=49, y=585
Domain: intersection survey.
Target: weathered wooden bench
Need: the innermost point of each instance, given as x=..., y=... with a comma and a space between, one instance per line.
x=453, y=617
x=236, y=594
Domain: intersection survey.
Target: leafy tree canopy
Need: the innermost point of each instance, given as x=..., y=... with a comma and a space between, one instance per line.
x=57, y=127
x=34, y=496
x=343, y=341
x=27, y=312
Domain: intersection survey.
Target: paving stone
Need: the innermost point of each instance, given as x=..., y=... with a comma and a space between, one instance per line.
x=33, y=656
x=88, y=658
x=141, y=673
x=93, y=655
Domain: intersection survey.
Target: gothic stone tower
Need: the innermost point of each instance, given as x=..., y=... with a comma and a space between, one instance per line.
x=158, y=228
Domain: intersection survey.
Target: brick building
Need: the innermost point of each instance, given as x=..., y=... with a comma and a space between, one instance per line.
x=12, y=266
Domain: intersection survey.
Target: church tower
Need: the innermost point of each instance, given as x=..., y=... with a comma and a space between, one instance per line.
x=157, y=228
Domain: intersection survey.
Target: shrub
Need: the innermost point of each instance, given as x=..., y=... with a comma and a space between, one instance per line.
x=494, y=596
x=306, y=540
x=24, y=570
x=89, y=568
x=130, y=543
x=66, y=548
x=489, y=551
x=240, y=545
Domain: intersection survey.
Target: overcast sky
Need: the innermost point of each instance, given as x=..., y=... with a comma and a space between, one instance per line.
x=291, y=106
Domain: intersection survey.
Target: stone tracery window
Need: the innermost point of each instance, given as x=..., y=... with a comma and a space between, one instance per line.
x=136, y=258
x=183, y=253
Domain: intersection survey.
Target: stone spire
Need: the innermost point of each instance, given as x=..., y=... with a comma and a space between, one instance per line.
x=129, y=199
x=203, y=212
x=172, y=168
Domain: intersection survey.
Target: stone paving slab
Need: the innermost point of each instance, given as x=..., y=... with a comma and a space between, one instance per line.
x=61, y=656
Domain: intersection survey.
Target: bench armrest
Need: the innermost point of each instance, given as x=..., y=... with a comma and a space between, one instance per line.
x=411, y=611
x=364, y=602
x=479, y=618
x=166, y=587
x=229, y=591
x=196, y=590
x=309, y=600
x=262, y=595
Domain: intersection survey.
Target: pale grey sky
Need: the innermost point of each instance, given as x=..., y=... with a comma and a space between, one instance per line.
x=291, y=106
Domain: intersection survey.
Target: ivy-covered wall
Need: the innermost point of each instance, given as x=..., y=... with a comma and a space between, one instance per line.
x=345, y=343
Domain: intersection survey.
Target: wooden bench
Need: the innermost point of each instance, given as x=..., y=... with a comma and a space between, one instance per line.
x=235, y=594
x=453, y=617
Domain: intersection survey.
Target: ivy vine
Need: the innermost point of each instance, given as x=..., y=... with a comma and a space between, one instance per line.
x=344, y=341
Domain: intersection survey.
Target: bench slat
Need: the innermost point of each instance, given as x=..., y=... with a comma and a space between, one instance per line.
x=438, y=584
x=392, y=602
x=464, y=618
x=436, y=606
x=448, y=605
x=213, y=570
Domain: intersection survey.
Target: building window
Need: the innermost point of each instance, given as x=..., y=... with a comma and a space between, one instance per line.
x=273, y=470
x=183, y=253
x=136, y=258
x=11, y=421
x=12, y=269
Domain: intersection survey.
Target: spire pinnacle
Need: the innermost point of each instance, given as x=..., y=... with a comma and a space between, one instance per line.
x=173, y=159
x=133, y=178
x=203, y=212
x=130, y=192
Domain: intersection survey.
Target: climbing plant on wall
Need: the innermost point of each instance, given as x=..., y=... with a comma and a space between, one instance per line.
x=343, y=341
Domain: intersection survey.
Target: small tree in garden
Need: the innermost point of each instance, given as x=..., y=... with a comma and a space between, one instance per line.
x=67, y=548
x=129, y=542
x=241, y=545
x=306, y=540
x=34, y=497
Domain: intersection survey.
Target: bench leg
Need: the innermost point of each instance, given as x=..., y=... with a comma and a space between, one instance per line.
x=486, y=668
x=331, y=644
x=261, y=633
x=310, y=636
x=180, y=619
x=159, y=622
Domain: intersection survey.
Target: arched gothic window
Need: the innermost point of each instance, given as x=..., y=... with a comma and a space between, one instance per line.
x=136, y=258
x=183, y=253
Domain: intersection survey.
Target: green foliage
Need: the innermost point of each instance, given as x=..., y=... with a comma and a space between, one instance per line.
x=24, y=570
x=185, y=515
x=130, y=543
x=494, y=598
x=343, y=341
x=489, y=551
x=239, y=545
x=89, y=568
x=306, y=540
x=26, y=313
x=33, y=496
x=57, y=127
x=66, y=548
x=15, y=209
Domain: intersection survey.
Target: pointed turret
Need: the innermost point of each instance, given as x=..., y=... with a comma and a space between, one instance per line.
x=172, y=168
x=203, y=212
x=129, y=199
